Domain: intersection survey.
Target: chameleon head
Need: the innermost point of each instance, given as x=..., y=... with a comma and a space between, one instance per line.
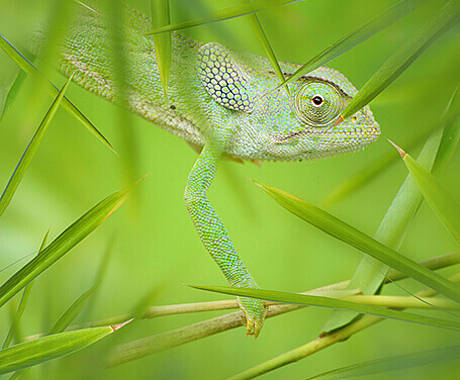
x=280, y=124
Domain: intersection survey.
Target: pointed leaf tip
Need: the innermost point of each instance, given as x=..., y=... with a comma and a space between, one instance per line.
x=400, y=151
x=339, y=120
x=120, y=325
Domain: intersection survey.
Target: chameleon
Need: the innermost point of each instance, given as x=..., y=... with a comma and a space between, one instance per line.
x=223, y=103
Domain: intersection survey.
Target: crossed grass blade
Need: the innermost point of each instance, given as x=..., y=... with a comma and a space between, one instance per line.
x=445, y=207
x=333, y=303
x=221, y=15
x=22, y=302
x=30, y=151
x=370, y=273
x=359, y=240
x=50, y=347
x=30, y=69
x=75, y=233
x=394, y=66
x=393, y=363
x=358, y=36
x=161, y=17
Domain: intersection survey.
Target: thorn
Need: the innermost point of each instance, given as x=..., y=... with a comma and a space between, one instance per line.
x=339, y=120
x=400, y=151
x=120, y=325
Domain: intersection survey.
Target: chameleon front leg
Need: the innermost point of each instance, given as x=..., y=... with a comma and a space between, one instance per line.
x=214, y=235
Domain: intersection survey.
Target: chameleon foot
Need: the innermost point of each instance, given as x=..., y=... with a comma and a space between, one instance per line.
x=254, y=311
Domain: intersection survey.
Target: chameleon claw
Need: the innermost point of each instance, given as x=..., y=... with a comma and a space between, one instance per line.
x=254, y=312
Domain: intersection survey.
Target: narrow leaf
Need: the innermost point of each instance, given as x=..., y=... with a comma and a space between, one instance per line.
x=30, y=151
x=9, y=91
x=50, y=347
x=62, y=244
x=350, y=235
x=403, y=58
x=30, y=69
x=161, y=17
x=393, y=363
x=366, y=31
x=333, y=303
x=22, y=303
x=446, y=208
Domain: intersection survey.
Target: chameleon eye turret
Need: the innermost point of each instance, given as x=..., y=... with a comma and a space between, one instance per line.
x=318, y=104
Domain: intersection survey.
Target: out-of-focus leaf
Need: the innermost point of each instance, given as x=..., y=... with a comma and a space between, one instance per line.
x=333, y=303
x=62, y=244
x=30, y=151
x=393, y=363
x=366, y=31
x=359, y=240
x=29, y=68
x=448, y=15
x=446, y=208
x=160, y=17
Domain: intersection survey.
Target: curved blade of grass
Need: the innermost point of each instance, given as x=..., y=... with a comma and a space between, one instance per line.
x=22, y=302
x=161, y=17
x=393, y=363
x=30, y=69
x=403, y=58
x=366, y=31
x=442, y=203
x=51, y=347
x=359, y=240
x=72, y=312
x=221, y=15
x=75, y=233
x=333, y=303
x=30, y=151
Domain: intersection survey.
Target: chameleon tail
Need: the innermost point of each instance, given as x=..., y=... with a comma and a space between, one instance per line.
x=215, y=237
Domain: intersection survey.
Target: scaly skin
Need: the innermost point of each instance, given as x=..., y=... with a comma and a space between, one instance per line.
x=222, y=102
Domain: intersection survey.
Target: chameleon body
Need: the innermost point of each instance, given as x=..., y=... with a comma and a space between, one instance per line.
x=222, y=102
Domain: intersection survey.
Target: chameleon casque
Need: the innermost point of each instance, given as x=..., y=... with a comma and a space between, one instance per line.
x=223, y=103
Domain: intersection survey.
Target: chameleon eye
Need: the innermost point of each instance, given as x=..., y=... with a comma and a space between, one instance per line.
x=318, y=104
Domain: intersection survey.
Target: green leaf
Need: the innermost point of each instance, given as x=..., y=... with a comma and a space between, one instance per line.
x=30, y=151
x=445, y=207
x=393, y=363
x=161, y=17
x=350, y=235
x=221, y=15
x=50, y=347
x=30, y=69
x=333, y=303
x=403, y=58
x=22, y=303
x=366, y=31
x=75, y=233
x=72, y=312
x=9, y=91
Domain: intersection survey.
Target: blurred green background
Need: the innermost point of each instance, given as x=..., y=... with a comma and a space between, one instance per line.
x=155, y=244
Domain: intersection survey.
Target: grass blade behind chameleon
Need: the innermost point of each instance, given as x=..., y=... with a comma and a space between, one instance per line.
x=403, y=58
x=359, y=240
x=30, y=151
x=358, y=36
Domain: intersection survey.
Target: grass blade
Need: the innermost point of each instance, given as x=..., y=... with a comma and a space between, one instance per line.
x=22, y=303
x=161, y=17
x=75, y=233
x=366, y=31
x=221, y=15
x=442, y=203
x=333, y=303
x=9, y=91
x=359, y=240
x=30, y=151
x=403, y=58
x=30, y=69
x=393, y=363
x=51, y=347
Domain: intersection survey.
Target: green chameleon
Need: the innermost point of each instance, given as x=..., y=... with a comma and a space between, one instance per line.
x=222, y=103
